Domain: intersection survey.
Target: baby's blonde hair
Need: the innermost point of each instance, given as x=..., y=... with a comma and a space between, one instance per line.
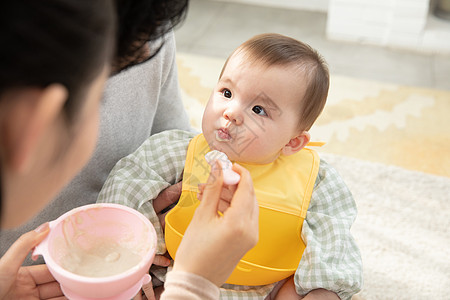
x=271, y=49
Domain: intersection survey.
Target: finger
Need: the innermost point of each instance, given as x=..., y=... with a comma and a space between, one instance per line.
x=244, y=199
x=162, y=220
x=58, y=298
x=211, y=193
x=226, y=194
x=223, y=205
x=201, y=189
x=40, y=274
x=16, y=254
x=50, y=290
x=244, y=206
x=167, y=197
x=161, y=260
x=148, y=291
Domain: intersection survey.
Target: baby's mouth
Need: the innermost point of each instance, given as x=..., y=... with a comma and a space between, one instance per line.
x=222, y=135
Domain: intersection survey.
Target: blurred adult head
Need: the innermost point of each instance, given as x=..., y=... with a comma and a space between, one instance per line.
x=55, y=57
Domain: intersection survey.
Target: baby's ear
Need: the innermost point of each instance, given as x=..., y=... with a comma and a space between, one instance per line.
x=297, y=143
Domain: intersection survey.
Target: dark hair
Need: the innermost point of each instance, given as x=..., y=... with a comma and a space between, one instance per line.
x=140, y=21
x=275, y=49
x=55, y=41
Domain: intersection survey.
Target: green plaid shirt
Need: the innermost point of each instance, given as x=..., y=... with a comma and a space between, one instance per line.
x=331, y=259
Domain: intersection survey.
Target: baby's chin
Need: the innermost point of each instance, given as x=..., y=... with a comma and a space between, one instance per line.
x=248, y=158
x=235, y=155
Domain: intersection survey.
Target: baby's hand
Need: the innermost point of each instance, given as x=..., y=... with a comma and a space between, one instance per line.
x=162, y=260
x=229, y=176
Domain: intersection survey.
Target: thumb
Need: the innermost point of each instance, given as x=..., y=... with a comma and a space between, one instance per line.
x=148, y=291
x=211, y=192
x=16, y=254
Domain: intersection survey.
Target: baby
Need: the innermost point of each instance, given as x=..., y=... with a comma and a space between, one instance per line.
x=270, y=92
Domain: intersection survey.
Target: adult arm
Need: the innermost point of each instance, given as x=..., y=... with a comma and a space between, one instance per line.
x=181, y=285
x=213, y=244
x=332, y=260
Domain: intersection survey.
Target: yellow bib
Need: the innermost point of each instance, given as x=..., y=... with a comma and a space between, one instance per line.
x=283, y=189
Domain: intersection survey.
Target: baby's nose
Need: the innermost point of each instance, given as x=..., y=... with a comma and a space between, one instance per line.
x=233, y=116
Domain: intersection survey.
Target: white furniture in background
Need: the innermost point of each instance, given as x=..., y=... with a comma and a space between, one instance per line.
x=406, y=24
x=395, y=23
x=313, y=5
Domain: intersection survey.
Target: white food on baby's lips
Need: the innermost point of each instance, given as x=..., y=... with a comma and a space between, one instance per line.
x=229, y=176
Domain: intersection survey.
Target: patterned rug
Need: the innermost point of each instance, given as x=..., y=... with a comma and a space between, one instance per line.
x=392, y=146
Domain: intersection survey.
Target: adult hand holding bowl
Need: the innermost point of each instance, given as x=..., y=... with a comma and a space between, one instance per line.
x=100, y=251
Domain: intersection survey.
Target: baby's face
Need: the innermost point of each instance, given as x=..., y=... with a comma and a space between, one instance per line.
x=253, y=111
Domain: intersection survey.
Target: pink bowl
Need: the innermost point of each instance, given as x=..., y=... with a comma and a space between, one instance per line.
x=123, y=225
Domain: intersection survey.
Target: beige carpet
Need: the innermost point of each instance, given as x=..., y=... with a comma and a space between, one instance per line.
x=392, y=146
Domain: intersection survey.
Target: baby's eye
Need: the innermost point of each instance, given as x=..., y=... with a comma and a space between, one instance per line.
x=226, y=93
x=259, y=110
